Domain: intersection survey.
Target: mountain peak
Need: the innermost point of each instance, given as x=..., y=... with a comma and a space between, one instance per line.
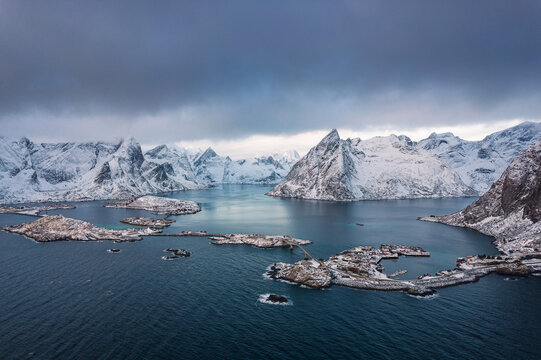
x=332, y=136
x=329, y=139
x=160, y=150
x=435, y=135
x=209, y=152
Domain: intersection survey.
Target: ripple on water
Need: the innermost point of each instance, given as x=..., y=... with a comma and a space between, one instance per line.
x=428, y=297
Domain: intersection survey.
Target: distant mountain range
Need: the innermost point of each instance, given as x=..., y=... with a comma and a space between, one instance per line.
x=481, y=163
x=97, y=170
x=390, y=167
x=394, y=167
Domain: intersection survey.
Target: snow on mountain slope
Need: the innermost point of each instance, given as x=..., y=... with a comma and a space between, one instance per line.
x=480, y=163
x=288, y=158
x=119, y=174
x=83, y=171
x=169, y=169
x=390, y=167
x=262, y=170
x=74, y=171
x=323, y=173
x=511, y=209
x=209, y=167
x=17, y=177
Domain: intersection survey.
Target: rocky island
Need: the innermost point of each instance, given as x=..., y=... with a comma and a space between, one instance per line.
x=158, y=205
x=273, y=299
x=179, y=252
x=58, y=228
x=148, y=222
x=359, y=268
x=260, y=241
x=361, y=264
x=175, y=254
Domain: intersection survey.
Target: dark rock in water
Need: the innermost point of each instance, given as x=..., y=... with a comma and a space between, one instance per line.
x=113, y=250
x=182, y=252
x=179, y=252
x=272, y=272
x=276, y=298
x=420, y=291
x=360, y=224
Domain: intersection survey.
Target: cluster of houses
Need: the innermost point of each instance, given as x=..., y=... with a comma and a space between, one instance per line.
x=439, y=273
x=143, y=221
x=398, y=250
x=365, y=260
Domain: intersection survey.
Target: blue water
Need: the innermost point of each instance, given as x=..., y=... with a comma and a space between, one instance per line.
x=73, y=300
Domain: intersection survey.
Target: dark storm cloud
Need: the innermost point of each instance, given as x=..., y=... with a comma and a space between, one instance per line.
x=232, y=68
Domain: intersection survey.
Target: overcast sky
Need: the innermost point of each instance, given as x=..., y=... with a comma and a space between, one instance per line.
x=255, y=76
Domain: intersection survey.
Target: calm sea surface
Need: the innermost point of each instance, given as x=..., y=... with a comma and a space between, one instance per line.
x=73, y=300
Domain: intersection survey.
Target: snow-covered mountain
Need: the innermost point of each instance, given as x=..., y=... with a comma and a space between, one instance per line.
x=211, y=169
x=390, y=167
x=98, y=170
x=71, y=171
x=170, y=169
x=511, y=209
x=480, y=163
x=395, y=167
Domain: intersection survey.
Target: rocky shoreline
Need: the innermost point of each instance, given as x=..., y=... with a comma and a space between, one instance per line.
x=33, y=210
x=158, y=205
x=260, y=241
x=357, y=268
x=60, y=228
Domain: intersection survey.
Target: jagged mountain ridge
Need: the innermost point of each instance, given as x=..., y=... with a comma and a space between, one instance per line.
x=480, y=163
x=394, y=167
x=511, y=209
x=70, y=171
x=211, y=169
x=170, y=169
x=98, y=170
x=390, y=167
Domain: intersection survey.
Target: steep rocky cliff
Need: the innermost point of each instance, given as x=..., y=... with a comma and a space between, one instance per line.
x=511, y=209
